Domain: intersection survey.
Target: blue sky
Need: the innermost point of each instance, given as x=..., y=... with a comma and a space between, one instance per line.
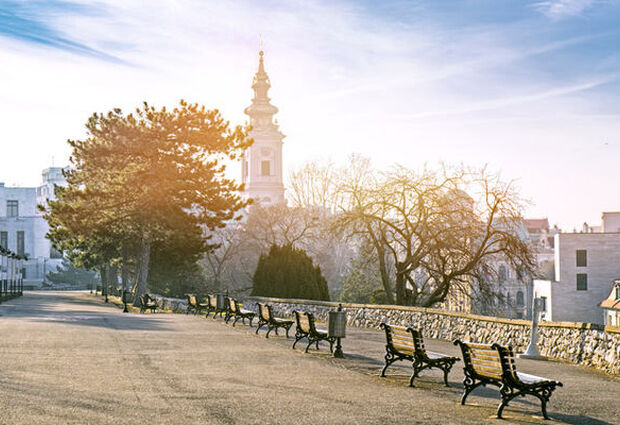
x=529, y=88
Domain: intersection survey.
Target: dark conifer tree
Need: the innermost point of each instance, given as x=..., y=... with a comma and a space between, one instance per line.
x=287, y=272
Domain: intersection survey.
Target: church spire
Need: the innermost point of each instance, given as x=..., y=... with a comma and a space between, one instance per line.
x=261, y=111
x=262, y=163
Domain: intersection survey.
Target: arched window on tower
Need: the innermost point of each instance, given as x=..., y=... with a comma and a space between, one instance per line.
x=520, y=300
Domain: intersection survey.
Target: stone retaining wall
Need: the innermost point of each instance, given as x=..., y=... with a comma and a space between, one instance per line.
x=580, y=343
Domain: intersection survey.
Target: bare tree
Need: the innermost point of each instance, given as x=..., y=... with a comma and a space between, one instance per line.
x=470, y=241
x=314, y=186
x=437, y=237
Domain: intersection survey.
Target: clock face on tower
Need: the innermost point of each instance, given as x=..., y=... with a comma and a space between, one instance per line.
x=266, y=152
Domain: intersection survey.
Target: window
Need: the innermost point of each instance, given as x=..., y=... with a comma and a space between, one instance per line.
x=20, y=242
x=12, y=208
x=618, y=292
x=4, y=240
x=265, y=168
x=582, y=258
x=520, y=298
x=503, y=274
x=582, y=282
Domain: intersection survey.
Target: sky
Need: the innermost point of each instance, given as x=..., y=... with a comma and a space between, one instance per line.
x=530, y=89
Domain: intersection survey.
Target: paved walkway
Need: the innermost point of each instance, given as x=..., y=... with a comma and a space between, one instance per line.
x=67, y=358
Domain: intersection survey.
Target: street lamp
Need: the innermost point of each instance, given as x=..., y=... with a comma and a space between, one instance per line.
x=337, y=329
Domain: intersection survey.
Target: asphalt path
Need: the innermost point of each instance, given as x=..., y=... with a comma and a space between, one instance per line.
x=69, y=358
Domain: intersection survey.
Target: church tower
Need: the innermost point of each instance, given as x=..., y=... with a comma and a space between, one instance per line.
x=262, y=162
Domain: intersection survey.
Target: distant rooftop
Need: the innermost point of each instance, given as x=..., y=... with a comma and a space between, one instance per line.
x=536, y=224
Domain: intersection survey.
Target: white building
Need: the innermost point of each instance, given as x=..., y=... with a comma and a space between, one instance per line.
x=23, y=229
x=262, y=162
x=611, y=305
x=586, y=265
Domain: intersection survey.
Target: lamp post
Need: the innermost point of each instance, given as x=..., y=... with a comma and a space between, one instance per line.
x=20, y=283
x=1, y=275
x=337, y=329
x=531, y=351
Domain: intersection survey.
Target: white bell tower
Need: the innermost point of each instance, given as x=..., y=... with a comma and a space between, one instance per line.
x=262, y=163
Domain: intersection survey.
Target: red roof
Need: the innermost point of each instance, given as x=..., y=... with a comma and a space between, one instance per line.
x=537, y=223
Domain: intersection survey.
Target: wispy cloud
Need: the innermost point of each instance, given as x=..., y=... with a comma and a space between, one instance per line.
x=29, y=22
x=558, y=9
x=515, y=100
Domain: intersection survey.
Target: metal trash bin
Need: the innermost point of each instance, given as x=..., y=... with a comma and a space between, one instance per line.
x=337, y=327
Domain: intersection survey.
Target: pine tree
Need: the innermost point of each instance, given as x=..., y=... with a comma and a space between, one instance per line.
x=147, y=182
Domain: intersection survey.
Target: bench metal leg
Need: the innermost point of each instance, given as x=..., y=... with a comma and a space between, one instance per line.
x=298, y=337
x=507, y=395
x=446, y=366
x=469, y=385
x=417, y=367
x=389, y=359
x=446, y=371
x=543, y=407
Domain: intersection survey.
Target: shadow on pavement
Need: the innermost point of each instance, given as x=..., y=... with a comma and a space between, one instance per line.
x=578, y=419
x=46, y=310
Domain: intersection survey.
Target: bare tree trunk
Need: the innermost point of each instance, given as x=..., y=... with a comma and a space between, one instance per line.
x=103, y=273
x=143, y=268
x=401, y=297
x=385, y=276
x=113, y=278
x=124, y=269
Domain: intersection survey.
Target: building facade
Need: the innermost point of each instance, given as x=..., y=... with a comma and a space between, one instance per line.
x=23, y=229
x=586, y=265
x=262, y=163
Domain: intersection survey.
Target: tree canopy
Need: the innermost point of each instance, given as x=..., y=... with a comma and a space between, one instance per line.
x=147, y=183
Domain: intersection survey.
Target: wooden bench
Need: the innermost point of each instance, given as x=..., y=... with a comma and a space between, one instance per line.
x=193, y=305
x=237, y=312
x=306, y=328
x=407, y=344
x=147, y=303
x=495, y=365
x=266, y=317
